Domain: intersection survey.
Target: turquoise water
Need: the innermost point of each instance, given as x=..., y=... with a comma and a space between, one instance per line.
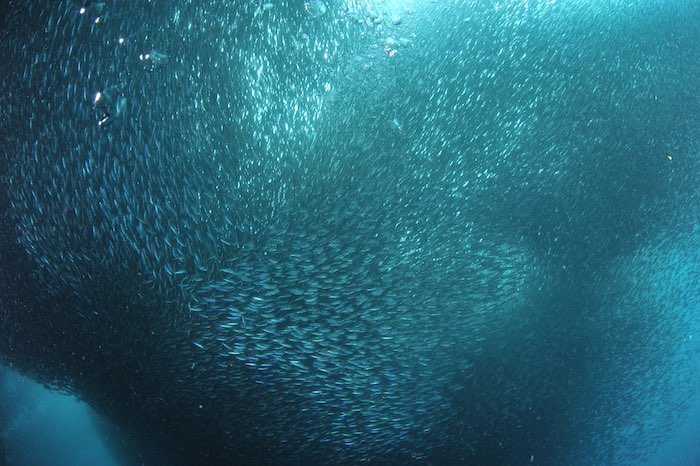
x=350, y=231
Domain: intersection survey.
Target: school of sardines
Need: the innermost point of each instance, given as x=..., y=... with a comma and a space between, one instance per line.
x=349, y=231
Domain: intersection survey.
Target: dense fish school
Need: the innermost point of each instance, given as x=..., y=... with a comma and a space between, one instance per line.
x=347, y=231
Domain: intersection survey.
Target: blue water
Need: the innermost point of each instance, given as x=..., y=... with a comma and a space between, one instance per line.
x=44, y=428
x=350, y=231
x=683, y=448
x=39, y=427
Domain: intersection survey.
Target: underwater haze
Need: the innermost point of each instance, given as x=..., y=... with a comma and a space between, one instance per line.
x=39, y=427
x=350, y=231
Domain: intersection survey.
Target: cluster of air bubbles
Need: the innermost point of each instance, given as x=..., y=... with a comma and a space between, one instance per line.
x=93, y=9
x=110, y=104
x=264, y=7
x=315, y=8
x=386, y=23
x=153, y=60
x=391, y=45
